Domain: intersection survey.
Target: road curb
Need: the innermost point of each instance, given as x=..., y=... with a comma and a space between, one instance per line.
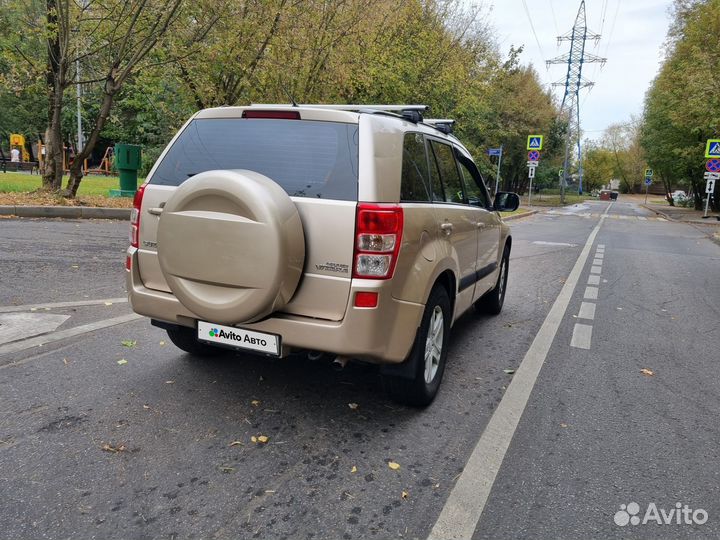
x=520, y=216
x=663, y=214
x=72, y=212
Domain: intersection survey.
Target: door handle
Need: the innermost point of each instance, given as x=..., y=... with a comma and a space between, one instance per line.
x=480, y=224
x=446, y=227
x=155, y=211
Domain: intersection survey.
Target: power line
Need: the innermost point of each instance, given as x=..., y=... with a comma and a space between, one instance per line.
x=532, y=26
x=552, y=10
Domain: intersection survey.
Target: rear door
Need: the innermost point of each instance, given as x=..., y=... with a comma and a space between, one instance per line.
x=315, y=162
x=457, y=220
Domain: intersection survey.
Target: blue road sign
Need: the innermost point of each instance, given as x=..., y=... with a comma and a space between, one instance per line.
x=535, y=142
x=494, y=151
x=712, y=148
x=648, y=181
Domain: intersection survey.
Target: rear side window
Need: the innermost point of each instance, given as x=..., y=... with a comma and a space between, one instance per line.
x=452, y=185
x=414, y=180
x=306, y=158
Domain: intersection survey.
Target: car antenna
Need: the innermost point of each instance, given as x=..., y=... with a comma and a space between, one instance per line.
x=292, y=99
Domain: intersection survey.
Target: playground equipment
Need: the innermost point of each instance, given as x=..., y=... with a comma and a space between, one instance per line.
x=105, y=163
x=127, y=162
x=18, y=141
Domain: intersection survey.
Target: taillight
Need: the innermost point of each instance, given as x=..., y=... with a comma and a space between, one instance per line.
x=135, y=216
x=275, y=115
x=377, y=240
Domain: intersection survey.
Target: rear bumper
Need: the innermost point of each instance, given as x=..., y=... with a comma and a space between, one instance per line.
x=384, y=334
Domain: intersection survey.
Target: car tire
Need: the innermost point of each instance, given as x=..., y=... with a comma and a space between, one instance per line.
x=492, y=302
x=427, y=356
x=185, y=338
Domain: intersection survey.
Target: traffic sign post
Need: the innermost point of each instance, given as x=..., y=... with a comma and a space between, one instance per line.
x=497, y=152
x=710, y=179
x=648, y=181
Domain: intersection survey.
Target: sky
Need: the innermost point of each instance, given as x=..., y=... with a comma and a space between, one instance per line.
x=633, y=34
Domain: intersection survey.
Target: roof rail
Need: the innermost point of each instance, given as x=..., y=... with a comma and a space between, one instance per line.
x=388, y=108
x=445, y=125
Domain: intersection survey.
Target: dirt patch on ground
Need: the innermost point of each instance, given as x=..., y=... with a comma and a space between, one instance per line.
x=47, y=199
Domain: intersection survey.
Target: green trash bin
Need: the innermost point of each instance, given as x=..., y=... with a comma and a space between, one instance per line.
x=127, y=162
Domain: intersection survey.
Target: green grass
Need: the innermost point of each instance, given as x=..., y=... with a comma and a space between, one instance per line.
x=13, y=182
x=554, y=200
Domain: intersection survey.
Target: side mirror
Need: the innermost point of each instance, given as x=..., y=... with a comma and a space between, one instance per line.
x=506, y=202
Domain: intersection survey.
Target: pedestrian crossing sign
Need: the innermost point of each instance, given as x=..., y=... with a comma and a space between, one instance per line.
x=535, y=142
x=712, y=148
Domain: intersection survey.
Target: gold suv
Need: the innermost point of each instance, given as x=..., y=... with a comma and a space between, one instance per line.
x=362, y=232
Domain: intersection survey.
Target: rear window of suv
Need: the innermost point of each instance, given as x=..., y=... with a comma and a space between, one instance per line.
x=306, y=158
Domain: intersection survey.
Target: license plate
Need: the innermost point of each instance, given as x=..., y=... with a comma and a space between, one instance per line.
x=239, y=337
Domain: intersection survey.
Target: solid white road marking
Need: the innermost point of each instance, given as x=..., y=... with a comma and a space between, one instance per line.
x=63, y=334
x=543, y=243
x=587, y=311
x=582, y=336
x=28, y=307
x=593, y=280
x=596, y=270
x=16, y=326
x=464, y=506
x=591, y=293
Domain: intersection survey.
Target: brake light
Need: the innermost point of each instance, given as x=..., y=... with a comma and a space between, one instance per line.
x=377, y=240
x=135, y=216
x=277, y=115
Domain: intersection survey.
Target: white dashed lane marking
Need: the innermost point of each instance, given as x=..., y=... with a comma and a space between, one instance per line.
x=582, y=336
x=587, y=311
x=596, y=270
x=593, y=280
x=591, y=293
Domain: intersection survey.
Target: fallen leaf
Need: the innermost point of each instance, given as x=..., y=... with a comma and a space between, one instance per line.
x=253, y=439
x=169, y=382
x=648, y=372
x=263, y=439
x=146, y=406
x=227, y=469
x=108, y=303
x=255, y=402
x=562, y=424
x=129, y=343
x=114, y=449
x=353, y=406
x=354, y=469
x=394, y=466
x=75, y=266
x=405, y=494
x=65, y=361
x=236, y=443
x=122, y=362
x=162, y=343
x=33, y=309
x=509, y=371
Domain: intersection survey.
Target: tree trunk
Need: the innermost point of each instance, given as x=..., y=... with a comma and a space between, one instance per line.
x=76, y=172
x=55, y=79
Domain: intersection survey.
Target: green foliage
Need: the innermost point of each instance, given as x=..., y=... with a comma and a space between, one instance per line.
x=437, y=52
x=682, y=108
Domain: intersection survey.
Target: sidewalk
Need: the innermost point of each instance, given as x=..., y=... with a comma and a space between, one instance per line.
x=687, y=215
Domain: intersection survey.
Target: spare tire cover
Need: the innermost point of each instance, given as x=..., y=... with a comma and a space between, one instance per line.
x=231, y=246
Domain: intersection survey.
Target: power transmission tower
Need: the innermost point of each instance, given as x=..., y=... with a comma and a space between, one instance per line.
x=573, y=82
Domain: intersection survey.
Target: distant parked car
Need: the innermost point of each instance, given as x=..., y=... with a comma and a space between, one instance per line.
x=678, y=195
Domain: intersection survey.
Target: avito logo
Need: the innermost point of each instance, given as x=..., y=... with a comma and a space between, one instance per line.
x=680, y=515
x=214, y=332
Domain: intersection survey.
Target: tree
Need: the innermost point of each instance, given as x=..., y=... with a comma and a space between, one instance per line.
x=599, y=165
x=682, y=108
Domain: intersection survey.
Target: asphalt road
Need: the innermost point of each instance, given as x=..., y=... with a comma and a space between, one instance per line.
x=159, y=446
